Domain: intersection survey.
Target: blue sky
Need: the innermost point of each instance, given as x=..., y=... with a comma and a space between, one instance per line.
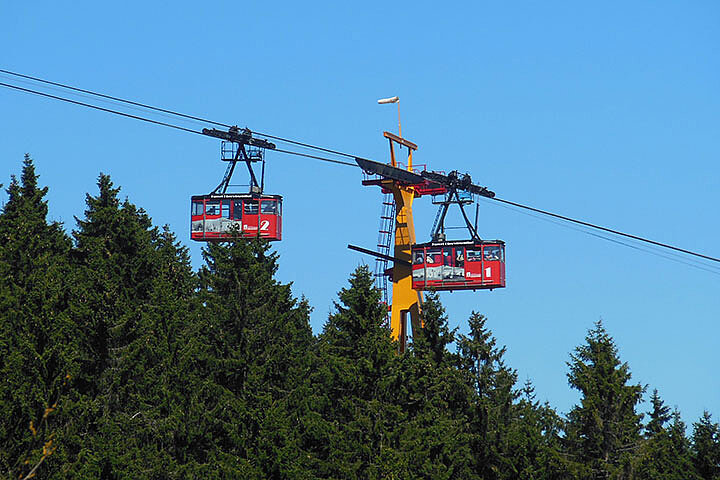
x=606, y=112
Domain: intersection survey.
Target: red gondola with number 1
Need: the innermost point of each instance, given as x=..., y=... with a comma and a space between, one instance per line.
x=458, y=265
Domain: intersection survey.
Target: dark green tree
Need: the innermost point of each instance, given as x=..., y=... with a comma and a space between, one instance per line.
x=493, y=385
x=659, y=415
x=512, y=435
x=534, y=443
x=706, y=447
x=353, y=380
x=256, y=341
x=133, y=289
x=665, y=455
x=604, y=430
x=149, y=377
x=113, y=258
x=432, y=391
x=38, y=342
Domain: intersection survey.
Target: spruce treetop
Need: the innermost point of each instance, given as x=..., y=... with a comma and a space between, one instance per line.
x=359, y=311
x=659, y=415
x=706, y=447
x=24, y=197
x=604, y=429
x=435, y=335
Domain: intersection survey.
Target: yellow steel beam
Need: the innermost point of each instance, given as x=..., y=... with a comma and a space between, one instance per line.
x=405, y=301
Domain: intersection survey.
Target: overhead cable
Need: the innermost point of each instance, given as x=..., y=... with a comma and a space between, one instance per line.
x=167, y=111
x=675, y=257
x=89, y=105
x=306, y=145
x=340, y=162
x=156, y=122
x=110, y=97
x=605, y=229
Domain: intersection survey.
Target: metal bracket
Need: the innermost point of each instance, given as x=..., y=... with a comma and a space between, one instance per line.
x=241, y=138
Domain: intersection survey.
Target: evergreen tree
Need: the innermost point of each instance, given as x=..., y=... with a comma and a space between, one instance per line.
x=355, y=435
x=133, y=287
x=433, y=339
x=512, y=435
x=665, y=454
x=256, y=319
x=434, y=436
x=217, y=375
x=706, y=447
x=604, y=429
x=493, y=384
x=38, y=342
x=149, y=390
x=534, y=444
x=256, y=341
x=658, y=417
x=676, y=432
x=113, y=257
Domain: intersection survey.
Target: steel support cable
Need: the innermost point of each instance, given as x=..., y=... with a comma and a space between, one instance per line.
x=156, y=122
x=605, y=229
x=544, y=212
x=110, y=97
x=171, y=112
x=339, y=162
x=656, y=252
x=307, y=145
x=90, y=98
x=675, y=257
x=103, y=109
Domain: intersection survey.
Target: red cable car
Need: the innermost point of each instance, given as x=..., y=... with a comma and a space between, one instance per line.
x=231, y=215
x=458, y=265
x=443, y=265
x=222, y=216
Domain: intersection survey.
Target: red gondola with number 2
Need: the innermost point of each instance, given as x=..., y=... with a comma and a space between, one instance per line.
x=232, y=215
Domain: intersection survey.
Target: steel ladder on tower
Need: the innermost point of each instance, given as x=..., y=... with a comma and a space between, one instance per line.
x=384, y=244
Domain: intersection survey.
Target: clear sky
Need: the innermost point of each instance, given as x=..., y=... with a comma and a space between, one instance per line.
x=609, y=112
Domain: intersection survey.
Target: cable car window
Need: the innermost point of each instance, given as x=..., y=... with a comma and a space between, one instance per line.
x=279, y=211
x=212, y=208
x=226, y=209
x=197, y=207
x=459, y=258
x=237, y=210
x=491, y=253
x=434, y=256
x=473, y=255
x=267, y=207
x=447, y=256
x=251, y=207
x=418, y=258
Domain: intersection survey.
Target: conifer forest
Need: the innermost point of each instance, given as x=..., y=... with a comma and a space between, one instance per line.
x=119, y=361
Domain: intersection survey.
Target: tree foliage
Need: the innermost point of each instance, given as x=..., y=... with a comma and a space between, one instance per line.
x=665, y=455
x=706, y=447
x=38, y=340
x=604, y=430
x=119, y=360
